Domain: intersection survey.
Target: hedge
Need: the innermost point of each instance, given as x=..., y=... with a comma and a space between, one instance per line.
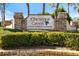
x=23, y=39
x=72, y=40
x=55, y=38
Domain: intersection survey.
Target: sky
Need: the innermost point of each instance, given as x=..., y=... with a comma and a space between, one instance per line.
x=35, y=8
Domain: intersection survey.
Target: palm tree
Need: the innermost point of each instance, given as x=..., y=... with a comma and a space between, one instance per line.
x=43, y=8
x=77, y=7
x=68, y=8
x=68, y=11
x=28, y=8
x=57, y=9
x=2, y=6
x=69, y=4
x=56, y=5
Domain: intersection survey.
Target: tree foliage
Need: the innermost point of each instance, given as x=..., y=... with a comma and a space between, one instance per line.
x=61, y=9
x=45, y=13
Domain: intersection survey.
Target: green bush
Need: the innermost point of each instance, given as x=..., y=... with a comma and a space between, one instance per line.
x=15, y=40
x=39, y=38
x=72, y=40
x=55, y=39
x=23, y=39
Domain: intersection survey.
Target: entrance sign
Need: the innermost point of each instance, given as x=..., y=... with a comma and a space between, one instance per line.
x=40, y=22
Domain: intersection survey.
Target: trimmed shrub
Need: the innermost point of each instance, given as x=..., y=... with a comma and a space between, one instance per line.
x=55, y=39
x=39, y=38
x=72, y=40
x=23, y=39
x=15, y=40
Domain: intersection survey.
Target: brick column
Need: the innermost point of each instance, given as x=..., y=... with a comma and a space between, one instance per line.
x=60, y=22
x=18, y=18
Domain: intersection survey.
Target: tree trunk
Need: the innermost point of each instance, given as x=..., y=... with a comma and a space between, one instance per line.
x=68, y=12
x=43, y=8
x=28, y=8
x=3, y=14
x=68, y=8
x=57, y=9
